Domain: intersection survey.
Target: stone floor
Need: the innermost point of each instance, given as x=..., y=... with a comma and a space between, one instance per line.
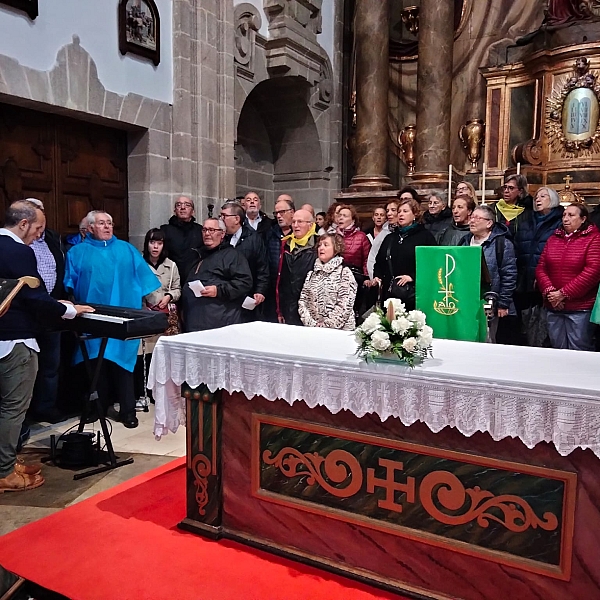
x=60, y=490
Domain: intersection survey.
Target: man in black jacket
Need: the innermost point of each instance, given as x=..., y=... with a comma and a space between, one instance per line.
x=247, y=241
x=298, y=258
x=255, y=217
x=24, y=222
x=182, y=236
x=225, y=278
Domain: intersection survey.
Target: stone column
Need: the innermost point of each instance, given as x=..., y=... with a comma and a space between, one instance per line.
x=371, y=34
x=434, y=90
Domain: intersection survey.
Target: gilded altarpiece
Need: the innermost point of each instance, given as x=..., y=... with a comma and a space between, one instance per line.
x=543, y=112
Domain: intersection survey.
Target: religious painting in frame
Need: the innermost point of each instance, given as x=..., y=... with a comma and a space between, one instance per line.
x=28, y=6
x=139, y=29
x=573, y=111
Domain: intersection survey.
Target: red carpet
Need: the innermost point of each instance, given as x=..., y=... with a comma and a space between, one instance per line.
x=123, y=544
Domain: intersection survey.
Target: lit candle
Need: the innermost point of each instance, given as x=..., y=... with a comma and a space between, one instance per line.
x=483, y=185
x=449, y=185
x=518, y=168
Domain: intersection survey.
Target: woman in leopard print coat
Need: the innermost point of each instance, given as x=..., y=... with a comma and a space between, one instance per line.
x=327, y=298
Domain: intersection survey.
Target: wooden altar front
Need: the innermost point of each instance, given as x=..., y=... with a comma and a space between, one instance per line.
x=418, y=508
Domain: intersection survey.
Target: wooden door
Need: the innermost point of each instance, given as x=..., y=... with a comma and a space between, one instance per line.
x=72, y=166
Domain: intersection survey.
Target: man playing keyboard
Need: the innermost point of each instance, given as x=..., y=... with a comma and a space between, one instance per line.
x=105, y=270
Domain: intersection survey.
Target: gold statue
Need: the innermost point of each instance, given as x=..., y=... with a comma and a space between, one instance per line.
x=407, y=139
x=472, y=136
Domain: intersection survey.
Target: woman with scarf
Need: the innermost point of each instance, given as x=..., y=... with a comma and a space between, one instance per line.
x=535, y=227
x=515, y=199
x=396, y=265
x=567, y=276
x=329, y=291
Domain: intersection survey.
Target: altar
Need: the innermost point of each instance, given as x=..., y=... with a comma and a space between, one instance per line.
x=474, y=475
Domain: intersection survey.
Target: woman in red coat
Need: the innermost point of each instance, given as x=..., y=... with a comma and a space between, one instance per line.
x=567, y=275
x=356, y=243
x=356, y=248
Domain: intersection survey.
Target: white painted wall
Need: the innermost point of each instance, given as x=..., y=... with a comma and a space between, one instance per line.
x=325, y=38
x=35, y=44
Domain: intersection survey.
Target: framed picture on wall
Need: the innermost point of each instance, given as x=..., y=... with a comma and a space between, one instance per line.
x=139, y=29
x=28, y=6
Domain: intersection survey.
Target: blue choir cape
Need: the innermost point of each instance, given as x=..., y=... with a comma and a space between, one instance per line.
x=113, y=273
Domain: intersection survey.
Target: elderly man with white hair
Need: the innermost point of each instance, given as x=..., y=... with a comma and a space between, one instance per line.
x=108, y=271
x=217, y=284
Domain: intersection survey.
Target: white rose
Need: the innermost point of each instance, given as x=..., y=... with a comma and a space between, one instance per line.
x=417, y=317
x=380, y=341
x=424, y=340
x=409, y=344
x=401, y=325
x=372, y=323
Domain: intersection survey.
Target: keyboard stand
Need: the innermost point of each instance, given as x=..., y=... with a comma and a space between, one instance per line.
x=93, y=400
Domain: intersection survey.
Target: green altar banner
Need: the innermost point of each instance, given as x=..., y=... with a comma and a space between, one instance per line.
x=448, y=290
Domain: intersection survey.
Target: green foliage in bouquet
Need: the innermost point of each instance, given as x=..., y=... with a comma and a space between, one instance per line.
x=394, y=332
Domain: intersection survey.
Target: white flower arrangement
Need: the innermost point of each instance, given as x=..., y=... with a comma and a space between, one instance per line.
x=395, y=331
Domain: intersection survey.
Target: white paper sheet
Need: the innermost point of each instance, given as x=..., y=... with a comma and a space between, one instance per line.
x=196, y=287
x=249, y=303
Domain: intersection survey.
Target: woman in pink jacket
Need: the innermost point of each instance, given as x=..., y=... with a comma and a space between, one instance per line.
x=567, y=275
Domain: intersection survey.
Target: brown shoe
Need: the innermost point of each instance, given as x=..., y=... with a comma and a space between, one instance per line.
x=18, y=482
x=27, y=469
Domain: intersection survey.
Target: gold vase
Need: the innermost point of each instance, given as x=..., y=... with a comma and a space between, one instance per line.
x=472, y=136
x=407, y=139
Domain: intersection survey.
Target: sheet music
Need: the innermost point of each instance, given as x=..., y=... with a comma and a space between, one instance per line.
x=106, y=318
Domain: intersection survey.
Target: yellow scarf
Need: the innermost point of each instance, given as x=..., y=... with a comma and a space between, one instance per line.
x=300, y=241
x=509, y=211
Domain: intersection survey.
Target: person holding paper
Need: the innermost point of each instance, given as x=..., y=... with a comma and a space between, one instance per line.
x=217, y=283
x=250, y=243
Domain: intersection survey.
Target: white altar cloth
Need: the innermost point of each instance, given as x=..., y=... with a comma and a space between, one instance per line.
x=535, y=394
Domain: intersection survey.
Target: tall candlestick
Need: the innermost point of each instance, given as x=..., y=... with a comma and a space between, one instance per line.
x=518, y=168
x=449, y=185
x=483, y=185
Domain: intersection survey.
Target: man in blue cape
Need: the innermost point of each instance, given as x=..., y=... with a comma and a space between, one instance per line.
x=105, y=270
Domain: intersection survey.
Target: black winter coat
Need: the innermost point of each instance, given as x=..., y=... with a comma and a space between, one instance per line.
x=530, y=239
x=437, y=224
x=402, y=253
x=182, y=238
x=226, y=268
x=252, y=247
x=292, y=274
x=263, y=227
x=273, y=244
x=453, y=234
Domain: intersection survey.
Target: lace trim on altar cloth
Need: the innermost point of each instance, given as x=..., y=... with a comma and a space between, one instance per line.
x=533, y=416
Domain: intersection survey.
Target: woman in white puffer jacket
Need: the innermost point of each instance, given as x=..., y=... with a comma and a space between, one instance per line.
x=327, y=298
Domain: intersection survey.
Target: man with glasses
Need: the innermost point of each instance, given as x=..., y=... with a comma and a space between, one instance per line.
x=182, y=236
x=283, y=213
x=226, y=280
x=299, y=252
x=515, y=199
x=106, y=270
x=255, y=217
x=249, y=242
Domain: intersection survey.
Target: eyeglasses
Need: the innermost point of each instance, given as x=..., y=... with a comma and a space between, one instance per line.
x=223, y=215
x=299, y=222
x=281, y=212
x=478, y=218
x=510, y=188
x=102, y=223
x=183, y=205
x=210, y=230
